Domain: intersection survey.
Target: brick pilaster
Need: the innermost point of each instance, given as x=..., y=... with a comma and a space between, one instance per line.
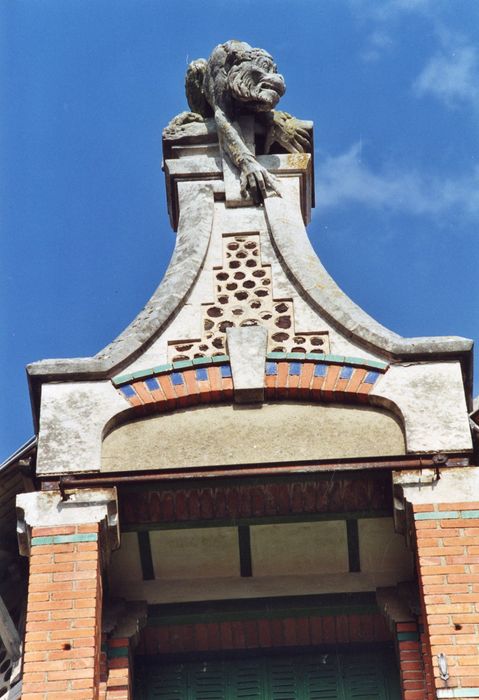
x=447, y=537
x=62, y=642
x=411, y=663
x=119, y=684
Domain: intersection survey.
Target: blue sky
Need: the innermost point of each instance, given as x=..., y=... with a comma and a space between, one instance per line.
x=86, y=87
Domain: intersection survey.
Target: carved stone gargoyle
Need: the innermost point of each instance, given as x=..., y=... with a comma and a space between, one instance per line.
x=239, y=80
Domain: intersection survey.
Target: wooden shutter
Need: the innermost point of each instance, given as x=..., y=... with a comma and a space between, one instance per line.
x=319, y=676
x=246, y=679
x=162, y=682
x=284, y=676
x=208, y=680
x=363, y=676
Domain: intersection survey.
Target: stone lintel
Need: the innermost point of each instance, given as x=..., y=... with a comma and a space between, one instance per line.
x=76, y=507
x=247, y=352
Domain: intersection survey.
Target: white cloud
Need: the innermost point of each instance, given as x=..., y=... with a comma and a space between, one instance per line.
x=451, y=77
x=384, y=15
x=387, y=10
x=345, y=178
x=377, y=43
x=451, y=74
x=394, y=7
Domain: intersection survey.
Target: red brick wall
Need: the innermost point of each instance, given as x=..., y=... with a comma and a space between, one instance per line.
x=264, y=633
x=447, y=537
x=62, y=642
x=411, y=662
x=117, y=671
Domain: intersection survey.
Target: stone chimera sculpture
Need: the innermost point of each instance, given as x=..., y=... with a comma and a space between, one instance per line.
x=240, y=80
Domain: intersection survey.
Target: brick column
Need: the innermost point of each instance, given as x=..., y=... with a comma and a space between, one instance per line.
x=411, y=664
x=64, y=608
x=118, y=647
x=63, y=625
x=447, y=539
x=406, y=630
x=119, y=684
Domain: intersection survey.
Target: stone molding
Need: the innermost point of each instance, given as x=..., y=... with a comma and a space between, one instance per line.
x=51, y=509
x=442, y=485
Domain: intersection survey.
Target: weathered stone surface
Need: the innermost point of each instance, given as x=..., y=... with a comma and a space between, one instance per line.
x=247, y=434
x=210, y=168
x=238, y=79
x=51, y=509
x=73, y=417
x=431, y=401
x=247, y=351
x=296, y=253
x=455, y=485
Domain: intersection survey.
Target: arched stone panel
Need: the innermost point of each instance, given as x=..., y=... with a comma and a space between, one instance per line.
x=272, y=432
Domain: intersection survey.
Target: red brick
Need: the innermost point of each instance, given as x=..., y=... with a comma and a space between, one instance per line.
x=423, y=507
x=214, y=374
x=189, y=376
x=167, y=388
x=356, y=380
x=332, y=375
x=282, y=380
x=227, y=384
x=142, y=392
x=204, y=388
x=50, y=531
x=306, y=377
x=461, y=505
x=316, y=386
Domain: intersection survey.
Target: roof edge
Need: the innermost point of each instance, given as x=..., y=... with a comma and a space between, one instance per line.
x=187, y=260
x=305, y=270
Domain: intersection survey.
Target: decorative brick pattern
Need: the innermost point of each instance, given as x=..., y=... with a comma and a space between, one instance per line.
x=371, y=492
x=264, y=633
x=244, y=297
x=319, y=380
x=447, y=537
x=62, y=641
x=309, y=377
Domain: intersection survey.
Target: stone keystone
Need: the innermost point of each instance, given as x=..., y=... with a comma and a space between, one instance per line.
x=247, y=351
